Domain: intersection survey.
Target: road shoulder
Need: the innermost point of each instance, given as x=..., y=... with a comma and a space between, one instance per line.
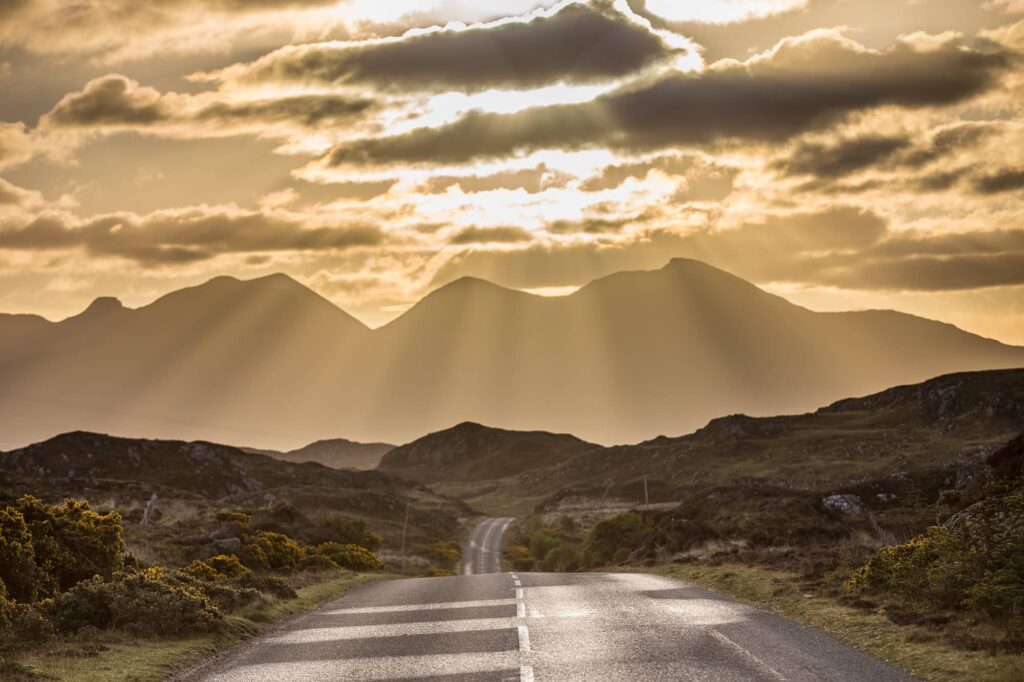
x=913, y=648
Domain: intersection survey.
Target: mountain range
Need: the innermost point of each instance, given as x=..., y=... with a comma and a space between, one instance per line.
x=270, y=363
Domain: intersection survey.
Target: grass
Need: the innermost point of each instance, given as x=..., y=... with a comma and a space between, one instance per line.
x=921, y=651
x=117, y=657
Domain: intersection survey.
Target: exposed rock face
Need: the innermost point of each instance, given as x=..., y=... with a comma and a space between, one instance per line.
x=848, y=505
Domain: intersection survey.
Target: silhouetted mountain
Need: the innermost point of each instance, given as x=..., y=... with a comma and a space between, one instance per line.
x=336, y=453
x=271, y=363
x=472, y=452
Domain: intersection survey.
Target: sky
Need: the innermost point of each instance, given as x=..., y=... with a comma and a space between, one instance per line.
x=846, y=155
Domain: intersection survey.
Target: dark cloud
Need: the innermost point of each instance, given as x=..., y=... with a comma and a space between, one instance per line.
x=110, y=100
x=532, y=180
x=932, y=273
x=180, y=237
x=581, y=42
x=117, y=101
x=803, y=84
x=502, y=235
x=305, y=110
x=841, y=158
x=1005, y=180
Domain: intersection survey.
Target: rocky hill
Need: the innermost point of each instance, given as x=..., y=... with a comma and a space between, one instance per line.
x=951, y=423
x=472, y=452
x=124, y=474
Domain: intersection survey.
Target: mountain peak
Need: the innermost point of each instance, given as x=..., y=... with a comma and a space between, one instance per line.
x=104, y=305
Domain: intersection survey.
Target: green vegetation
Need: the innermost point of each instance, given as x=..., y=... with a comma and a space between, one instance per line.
x=65, y=570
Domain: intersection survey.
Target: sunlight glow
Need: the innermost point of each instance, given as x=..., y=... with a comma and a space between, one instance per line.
x=721, y=11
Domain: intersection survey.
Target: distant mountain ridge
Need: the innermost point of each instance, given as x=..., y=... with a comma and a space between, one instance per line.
x=271, y=363
x=469, y=452
x=337, y=453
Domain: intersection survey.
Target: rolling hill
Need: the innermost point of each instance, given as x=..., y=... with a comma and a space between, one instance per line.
x=473, y=452
x=337, y=453
x=270, y=363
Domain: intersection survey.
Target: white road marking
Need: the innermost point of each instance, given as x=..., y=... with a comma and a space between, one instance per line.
x=338, y=634
x=723, y=638
x=524, y=638
x=520, y=610
x=519, y=593
x=374, y=668
x=526, y=673
x=434, y=606
x=517, y=582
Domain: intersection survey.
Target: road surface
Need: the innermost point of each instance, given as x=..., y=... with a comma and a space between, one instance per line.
x=482, y=551
x=541, y=626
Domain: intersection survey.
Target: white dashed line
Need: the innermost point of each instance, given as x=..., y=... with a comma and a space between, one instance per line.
x=524, y=638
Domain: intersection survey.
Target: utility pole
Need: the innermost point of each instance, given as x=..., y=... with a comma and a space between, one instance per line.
x=405, y=526
x=647, y=500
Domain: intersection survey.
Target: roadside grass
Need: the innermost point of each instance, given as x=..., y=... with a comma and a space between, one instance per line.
x=117, y=657
x=920, y=650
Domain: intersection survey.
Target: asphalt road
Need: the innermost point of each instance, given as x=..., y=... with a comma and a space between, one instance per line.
x=541, y=626
x=482, y=551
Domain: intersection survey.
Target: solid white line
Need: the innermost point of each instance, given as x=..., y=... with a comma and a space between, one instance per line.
x=519, y=594
x=520, y=610
x=723, y=638
x=436, y=606
x=524, y=638
x=526, y=673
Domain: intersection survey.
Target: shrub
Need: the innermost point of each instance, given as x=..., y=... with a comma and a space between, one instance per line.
x=345, y=530
x=520, y=558
x=71, y=543
x=977, y=564
x=352, y=557
x=147, y=603
x=561, y=559
x=318, y=562
x=17, y=557
x=227, y=565
x=274, y=551
x=22, y=623
x=613, y=539
x=229, y=598
x=268, y=584
x=444, y=551
x=238, y=517
x=200, y=570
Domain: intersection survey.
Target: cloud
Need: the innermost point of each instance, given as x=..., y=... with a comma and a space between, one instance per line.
x=496, y=235
x=576, y=42
x=801, y=84
x=184, y=236
x=15, y=144
x=118, y=102
x=531, y=180
x=841, y=158
x=119, y=30
x=1005, y=180
x=721, y=11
